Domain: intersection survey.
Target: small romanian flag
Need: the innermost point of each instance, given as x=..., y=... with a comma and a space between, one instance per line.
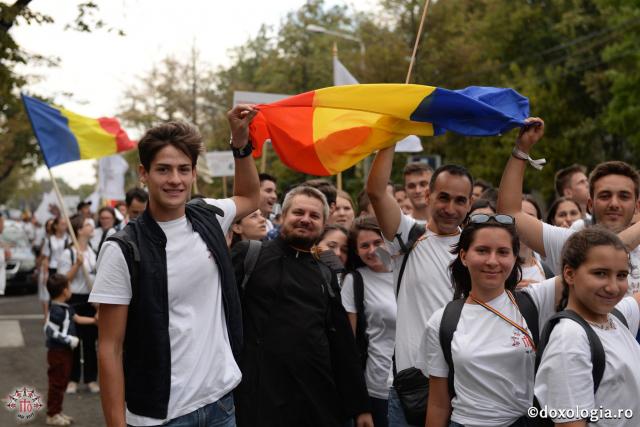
x=65, y=136
x=326, y=131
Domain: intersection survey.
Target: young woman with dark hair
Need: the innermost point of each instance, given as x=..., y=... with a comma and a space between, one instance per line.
x=335, y=238
x=369, y=300
x=251, y=227
x=492, y=347
x=563, y=212
x=595, y=266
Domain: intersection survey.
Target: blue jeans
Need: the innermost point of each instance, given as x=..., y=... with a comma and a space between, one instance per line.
x=217, y=414
x=396, y=414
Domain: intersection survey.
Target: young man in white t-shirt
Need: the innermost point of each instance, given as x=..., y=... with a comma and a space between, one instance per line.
x=416, y=181
x=614, y=198
x=426, y=285
x=176, y=309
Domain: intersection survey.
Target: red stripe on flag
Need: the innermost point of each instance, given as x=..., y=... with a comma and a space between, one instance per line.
x=112, y=126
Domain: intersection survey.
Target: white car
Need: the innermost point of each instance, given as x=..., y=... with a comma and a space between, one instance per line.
x=22, y=262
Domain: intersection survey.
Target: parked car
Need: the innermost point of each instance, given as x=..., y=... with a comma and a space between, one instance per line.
x=22, y=262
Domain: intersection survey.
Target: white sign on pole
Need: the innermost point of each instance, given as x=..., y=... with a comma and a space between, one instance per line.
x=240, y=97
x=220, y=163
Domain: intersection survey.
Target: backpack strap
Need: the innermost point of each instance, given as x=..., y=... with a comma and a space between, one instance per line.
x=131, y=254
x=548, y=272
x=417, y=231
x=448, y=326
x=250, y=260
x=529, y=311
x=597, y=350
x=102, y=239
x=620, y=317
x=72, y=255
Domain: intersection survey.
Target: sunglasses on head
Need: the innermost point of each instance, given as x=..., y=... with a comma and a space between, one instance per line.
x=499, y=218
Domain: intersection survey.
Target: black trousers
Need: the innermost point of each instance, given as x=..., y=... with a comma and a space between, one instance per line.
x=87, y=365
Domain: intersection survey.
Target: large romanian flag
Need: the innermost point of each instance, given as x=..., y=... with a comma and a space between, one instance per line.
x=326, y=131
x=65, y=136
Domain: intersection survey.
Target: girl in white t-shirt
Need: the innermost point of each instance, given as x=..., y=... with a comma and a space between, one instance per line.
x=379, y=304
x=595, y=266
x=55, y=245
x=492, y=349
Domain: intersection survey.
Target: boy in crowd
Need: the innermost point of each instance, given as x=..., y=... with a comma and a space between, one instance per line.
x=60, y=330
x=416, y=181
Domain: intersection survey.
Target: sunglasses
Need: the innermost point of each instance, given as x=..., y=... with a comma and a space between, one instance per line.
x=499, y=218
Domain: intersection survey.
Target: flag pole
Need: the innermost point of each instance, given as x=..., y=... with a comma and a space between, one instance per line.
x=72, y=233
x=339, y=176
x=224, y=186
x=418, y=37
x=263, y=159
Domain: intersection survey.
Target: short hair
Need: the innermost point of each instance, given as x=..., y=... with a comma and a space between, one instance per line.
x=180, y=134
x=614, y=167
x=138, y=194
x=306, y=190
x=563, y=177
x=416, y=168
x=266, y=177
x=455, y=170
x=56, y=284
x=324, y=186
x=482, y=184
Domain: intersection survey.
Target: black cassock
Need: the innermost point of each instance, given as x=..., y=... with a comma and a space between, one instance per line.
x=299, y=361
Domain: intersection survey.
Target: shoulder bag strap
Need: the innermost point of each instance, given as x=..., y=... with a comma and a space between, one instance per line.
x=250, y=261
x=448, y=326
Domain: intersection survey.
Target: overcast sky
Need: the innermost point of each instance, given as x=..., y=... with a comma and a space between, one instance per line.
x=97, y=67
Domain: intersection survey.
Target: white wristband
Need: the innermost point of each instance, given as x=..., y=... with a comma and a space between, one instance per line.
x=538, y=164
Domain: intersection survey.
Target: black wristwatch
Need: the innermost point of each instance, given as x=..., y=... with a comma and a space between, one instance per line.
x=240, y=153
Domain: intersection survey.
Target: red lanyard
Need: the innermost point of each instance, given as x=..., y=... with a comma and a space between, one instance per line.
x=505, y=318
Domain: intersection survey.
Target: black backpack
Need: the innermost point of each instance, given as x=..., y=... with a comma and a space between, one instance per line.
x=362, y=340
x=598, y=358
x=451, y=317
x=416, y=232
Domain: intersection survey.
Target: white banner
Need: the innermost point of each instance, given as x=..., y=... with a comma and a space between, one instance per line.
x=342, y=76
x=221, y=163
x=111, y=173
x=42, y=214
x=240, y=97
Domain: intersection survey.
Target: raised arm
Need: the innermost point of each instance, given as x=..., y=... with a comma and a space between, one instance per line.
x=246, y=185
x=385, y=206
x=112, y=323
x=510, y=192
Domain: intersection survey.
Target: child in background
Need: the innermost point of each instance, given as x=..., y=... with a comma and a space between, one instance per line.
x=60, y=330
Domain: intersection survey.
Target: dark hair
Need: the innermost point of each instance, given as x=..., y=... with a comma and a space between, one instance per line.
x=397, y=188
x=181, y=135
x=266, y=177
x=325, y=187
x=482, y=184
x=362, y=223
x=529, y=198
x=111, y=211
x=481, y=204
x=138, y=194
x=576, y=250
x=49, y=226
x=563, y=177
x=455, y=170
x=555, y=205
x=77, y=222
x=614, y=167
x=56, y=284
x=54, y=224
x=363, y=202
x=460, y=274
x=416, y=168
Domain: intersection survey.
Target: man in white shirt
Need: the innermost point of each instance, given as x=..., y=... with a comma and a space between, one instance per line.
x=614, y=187
x=268, y=197
x=416, y=181
x=170, y=328
x=425, y=285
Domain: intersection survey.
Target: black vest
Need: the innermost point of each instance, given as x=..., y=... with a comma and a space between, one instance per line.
x=147, y=352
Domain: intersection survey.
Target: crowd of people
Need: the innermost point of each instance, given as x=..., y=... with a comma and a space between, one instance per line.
x=439, y=301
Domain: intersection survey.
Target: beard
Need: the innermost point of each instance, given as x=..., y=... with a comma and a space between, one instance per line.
x=301, y=242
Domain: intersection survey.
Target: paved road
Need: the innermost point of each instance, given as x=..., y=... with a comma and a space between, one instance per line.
x=26, y=364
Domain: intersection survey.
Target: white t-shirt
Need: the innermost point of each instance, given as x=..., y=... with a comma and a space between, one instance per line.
x=53, y=248
x=380, y=312
x=203, y=368
x=533, y=272
x=426, y=286
x=565, y=380
x=554, y=239
x=494, y=363
x=79, y=283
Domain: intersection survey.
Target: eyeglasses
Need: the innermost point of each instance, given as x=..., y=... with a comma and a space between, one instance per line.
x=499, y=218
